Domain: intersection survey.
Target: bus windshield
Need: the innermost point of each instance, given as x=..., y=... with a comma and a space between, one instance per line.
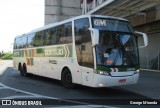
x=117, y=44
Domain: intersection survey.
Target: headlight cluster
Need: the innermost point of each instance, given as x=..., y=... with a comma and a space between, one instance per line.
x=102, y=72
x=137, y=71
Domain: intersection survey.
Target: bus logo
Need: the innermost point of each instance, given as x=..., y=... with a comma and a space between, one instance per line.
x=100, y=22
x=49, y=52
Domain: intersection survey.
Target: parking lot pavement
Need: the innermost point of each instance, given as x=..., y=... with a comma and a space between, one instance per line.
x=148, y=84
x=12, y=93
x=4, y=64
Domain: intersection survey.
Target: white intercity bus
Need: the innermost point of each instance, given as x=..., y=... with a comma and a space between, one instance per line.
x=90, y=50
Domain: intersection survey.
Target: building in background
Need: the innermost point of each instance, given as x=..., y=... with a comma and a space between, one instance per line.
x=58, y=10
x=143, y=14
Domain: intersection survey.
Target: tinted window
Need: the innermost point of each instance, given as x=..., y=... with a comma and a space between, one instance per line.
x=81, y=26
x=31, y=40
x=64, y=33
x=83, y=43
x=51, y=36
x=39, y=38
x=24, y=41
x=54, y=36
x=47, y=37
x=15, y=46
x=58, y=35
x=61, y=34
x=20, y=42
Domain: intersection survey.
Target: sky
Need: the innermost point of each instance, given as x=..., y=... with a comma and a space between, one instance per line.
x=18, y=17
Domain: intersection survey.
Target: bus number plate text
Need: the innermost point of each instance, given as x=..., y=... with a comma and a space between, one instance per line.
x=122, y=80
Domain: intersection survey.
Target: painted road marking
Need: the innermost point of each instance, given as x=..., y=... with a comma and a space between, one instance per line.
x=33, y=94
x=22, y=97
x=37, y=96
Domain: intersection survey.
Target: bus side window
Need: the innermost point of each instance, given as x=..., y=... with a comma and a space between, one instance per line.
x=83, y=43
x=30, y=40
x=60, y=34
x=39, y=38
x=21, y=42
x=50, y=36
x=68, y=32
x=53, y=34
x=15, y=43
x=47, y=37
x=65, y=33
x=24, y=41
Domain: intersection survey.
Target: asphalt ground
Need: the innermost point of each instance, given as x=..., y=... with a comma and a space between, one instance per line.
x=13, y=86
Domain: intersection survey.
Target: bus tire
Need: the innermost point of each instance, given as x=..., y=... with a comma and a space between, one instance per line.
x=20, y=68
x=66, y=79
x=25, y=70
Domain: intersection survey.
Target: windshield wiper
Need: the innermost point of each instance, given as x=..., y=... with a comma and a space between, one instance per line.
x=123, y=50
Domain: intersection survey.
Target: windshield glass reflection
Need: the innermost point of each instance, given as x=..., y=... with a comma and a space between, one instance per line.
x=116, y=49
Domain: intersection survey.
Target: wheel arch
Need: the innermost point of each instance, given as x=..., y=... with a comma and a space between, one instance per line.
x=65, y=67
x=64, y=76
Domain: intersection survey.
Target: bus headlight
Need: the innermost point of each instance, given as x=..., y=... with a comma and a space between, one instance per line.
x=137, y=71
x=102, y=72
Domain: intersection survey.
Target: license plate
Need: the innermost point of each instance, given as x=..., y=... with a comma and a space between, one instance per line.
x=122, y=80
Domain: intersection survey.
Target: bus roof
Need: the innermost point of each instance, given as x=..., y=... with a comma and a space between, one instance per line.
x=68, y=20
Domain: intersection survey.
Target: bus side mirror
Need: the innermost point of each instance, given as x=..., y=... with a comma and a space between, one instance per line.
x=145, y=38
x=95, y=36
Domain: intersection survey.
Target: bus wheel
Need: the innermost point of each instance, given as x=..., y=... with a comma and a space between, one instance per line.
x=20, y=68
x=66, y=79
x=24, y=70
x=21, y=71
